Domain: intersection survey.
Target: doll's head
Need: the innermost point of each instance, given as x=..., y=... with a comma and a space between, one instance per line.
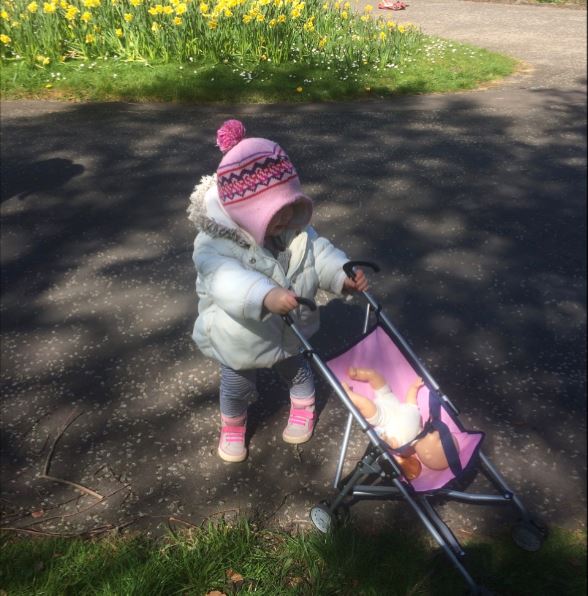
x=256, y=181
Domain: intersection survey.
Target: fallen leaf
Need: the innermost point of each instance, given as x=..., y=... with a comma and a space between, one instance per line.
x=235, y=578
x=38, y=513
x=215, y=593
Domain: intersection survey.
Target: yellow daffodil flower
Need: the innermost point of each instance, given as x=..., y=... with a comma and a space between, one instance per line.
x=136, y=2
x=71, y=12
x=282, y=18
x=5, y=39
x=90, y=38
x=86, y=17
x=181, y=8
x=177, y=21
x=212, y=24
x=118, y=32
x=5, y=16
x=368, y=8
x=155, y=27
x=33, y=7
x=49, y=7
x=272, y=23
x=344, y=15
x=322, y=42
x=299, y=89
x=128, y=17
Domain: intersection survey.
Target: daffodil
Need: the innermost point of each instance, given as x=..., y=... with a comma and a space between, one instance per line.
x=4, y=15
x=368, y=8
x=5, y=39
x=155, y=27
x=136, y=2
x=128, y=17
x=90, y=38
x=33, y=7
x=49, y=7
x=181, y=8
x=177, y=21
x=118, y=32
x=86, y=17
x=299, y=89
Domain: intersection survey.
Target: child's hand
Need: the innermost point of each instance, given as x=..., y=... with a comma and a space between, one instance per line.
x=359, y=284
x=418, y=383
x=280, y=301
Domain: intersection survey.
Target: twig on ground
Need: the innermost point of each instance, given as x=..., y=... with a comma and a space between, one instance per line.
x=73, y=416
x=74, y=513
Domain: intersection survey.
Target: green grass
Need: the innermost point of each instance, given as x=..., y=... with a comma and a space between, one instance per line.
x=439, y=66
x=240, y=558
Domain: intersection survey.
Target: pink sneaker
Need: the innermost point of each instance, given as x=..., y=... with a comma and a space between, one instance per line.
x=231, y=446
x=300, y=425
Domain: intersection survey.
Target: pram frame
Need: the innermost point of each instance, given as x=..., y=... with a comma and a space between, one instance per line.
x=379, y=461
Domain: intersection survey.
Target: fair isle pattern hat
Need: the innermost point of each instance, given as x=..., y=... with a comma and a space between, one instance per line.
x=255, y=179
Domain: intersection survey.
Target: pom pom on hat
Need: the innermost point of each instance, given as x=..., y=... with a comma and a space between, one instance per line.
x=229, y=134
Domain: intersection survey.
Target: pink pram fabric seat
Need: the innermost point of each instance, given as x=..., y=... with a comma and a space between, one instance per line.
x=378, y=351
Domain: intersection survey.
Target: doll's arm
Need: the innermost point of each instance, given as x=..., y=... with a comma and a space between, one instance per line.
x=366, y=406
x=413, y=390
x=375, y=379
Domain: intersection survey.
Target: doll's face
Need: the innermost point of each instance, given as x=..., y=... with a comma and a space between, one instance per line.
x=279, y=222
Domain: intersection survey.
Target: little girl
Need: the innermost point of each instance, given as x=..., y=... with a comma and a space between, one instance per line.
x=254, y=255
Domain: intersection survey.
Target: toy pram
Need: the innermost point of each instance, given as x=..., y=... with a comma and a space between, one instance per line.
x=382, y=344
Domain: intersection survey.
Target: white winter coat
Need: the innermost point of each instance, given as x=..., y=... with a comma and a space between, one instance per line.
x=234, y=276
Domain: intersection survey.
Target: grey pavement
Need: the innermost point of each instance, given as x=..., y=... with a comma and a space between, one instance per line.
x=473, y=204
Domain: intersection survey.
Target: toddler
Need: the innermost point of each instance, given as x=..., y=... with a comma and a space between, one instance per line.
x=254, y=254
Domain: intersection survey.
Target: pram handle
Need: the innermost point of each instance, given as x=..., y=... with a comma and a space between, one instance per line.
x=306, y=302
x=348, y=267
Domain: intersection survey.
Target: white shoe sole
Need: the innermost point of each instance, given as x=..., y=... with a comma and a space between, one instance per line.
x=231, y=458
x=296, y=440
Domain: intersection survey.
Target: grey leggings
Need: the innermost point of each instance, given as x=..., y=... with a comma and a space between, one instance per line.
x=237, y=387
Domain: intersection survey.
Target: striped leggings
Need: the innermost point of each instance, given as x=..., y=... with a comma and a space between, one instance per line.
x=238, y=387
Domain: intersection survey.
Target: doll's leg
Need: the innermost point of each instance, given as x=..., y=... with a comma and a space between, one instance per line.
x=237, y=387
x=298, y=375
x=366, y=406
x=375, y=379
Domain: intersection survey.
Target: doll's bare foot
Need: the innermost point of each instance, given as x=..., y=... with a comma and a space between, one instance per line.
x=375, y=379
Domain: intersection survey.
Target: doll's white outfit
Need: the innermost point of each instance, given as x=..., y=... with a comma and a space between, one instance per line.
x=394, y=418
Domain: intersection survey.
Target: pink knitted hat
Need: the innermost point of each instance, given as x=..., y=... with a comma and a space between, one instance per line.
x=255, y=179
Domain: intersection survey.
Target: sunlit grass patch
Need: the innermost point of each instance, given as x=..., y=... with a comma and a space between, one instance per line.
x=438, y=66
x=241, y=557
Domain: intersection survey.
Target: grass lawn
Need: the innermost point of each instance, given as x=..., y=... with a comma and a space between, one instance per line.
x=439, y=66
x=239, y=557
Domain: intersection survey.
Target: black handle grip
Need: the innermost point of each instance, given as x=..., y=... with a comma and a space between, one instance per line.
x=306, y=302
x=348, y=267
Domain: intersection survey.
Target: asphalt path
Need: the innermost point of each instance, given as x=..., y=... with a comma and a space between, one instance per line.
x=473, y=204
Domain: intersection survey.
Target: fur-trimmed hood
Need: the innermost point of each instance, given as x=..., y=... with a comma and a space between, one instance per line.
x=208, y=215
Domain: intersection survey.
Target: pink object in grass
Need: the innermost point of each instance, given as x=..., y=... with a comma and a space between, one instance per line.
x=229, y=134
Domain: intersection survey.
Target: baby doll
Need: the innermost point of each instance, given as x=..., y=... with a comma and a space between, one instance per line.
x=398, y=423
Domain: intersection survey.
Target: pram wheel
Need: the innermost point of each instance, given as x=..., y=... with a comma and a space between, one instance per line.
x=528, y=535
x=324, y=518
x=321, y=517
